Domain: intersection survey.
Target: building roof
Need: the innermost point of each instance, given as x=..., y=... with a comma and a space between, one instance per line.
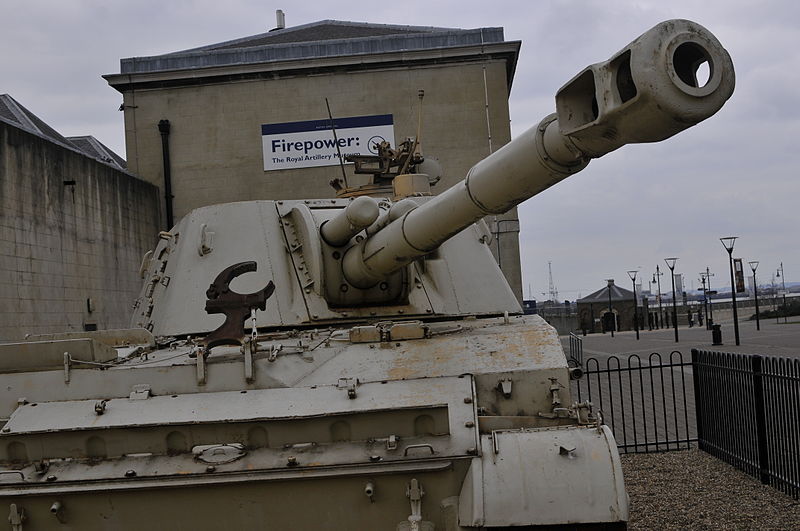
x=324, y=30
x=330, y=41
x=601, y=295
x=96, y=149
x=13, y=112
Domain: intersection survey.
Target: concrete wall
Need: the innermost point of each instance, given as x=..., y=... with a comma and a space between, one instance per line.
x=215, y=141
x=564, y=324
x=61, y=243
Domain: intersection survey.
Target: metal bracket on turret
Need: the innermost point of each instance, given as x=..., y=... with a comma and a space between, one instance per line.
x=237, y=307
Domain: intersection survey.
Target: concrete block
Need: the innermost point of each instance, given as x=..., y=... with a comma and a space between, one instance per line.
x=8, y=261
x=8, y=290
x=26, y=306
x=75, y=306
x=22, y=250
x=74, y=280
x=7, y=234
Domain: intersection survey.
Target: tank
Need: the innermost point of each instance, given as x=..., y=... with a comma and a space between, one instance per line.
x=348, y=363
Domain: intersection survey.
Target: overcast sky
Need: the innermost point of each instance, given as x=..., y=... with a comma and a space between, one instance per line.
x=730, y=175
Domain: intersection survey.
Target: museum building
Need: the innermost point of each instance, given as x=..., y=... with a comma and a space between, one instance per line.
x=246, y=119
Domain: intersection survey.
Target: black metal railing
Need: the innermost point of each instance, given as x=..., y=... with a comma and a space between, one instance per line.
x=575, y=350
x=747, y=409
x=741, y=408
x=646, y=403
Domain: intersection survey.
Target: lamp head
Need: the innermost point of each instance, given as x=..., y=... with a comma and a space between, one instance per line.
x=728, y=242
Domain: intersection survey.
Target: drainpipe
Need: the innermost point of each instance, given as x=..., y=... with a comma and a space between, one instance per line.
x=163, y=128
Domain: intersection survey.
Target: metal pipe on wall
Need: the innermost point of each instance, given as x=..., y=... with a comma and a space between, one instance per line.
x=163, y=128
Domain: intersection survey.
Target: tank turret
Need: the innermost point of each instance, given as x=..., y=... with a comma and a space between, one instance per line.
x=363, y=356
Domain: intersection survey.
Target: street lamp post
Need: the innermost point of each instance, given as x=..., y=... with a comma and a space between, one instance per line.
x=610, y=311
x=650, y=319
x=671, y=265
x=632, y=274
x=775, y=300
x=658, y=276
x=710, y=320
x=754, y=266
x=728, y=242
x=783, y=284
x=705, y=297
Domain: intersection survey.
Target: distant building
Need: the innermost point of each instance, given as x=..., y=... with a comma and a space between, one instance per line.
x=596, y=313
x=529, y=306
x=74, y=225
x=228, y=105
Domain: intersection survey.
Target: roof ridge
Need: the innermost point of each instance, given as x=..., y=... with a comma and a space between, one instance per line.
x=101, y=151
x=198, y=52
x=18, y=110
x=285, y=31
x=617, y=293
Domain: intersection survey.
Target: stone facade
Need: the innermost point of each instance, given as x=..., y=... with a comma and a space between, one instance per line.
x=73, y=231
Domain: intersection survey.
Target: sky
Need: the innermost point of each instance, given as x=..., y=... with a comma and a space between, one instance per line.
x=733, y=174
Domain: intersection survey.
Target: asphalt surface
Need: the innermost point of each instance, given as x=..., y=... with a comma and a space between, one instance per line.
x=774, y=339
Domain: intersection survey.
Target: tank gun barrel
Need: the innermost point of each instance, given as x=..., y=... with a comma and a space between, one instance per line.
x=647, y=92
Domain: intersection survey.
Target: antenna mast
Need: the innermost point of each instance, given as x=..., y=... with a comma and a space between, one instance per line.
x=338, y=151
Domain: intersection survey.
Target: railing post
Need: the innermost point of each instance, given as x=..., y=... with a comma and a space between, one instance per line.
x=698, y=399
x=761, y=419
x=576, y=348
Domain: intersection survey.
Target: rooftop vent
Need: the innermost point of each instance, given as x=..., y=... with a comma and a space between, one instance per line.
x=281, y=20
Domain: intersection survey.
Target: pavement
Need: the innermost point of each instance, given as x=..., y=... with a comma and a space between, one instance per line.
x=774, y=339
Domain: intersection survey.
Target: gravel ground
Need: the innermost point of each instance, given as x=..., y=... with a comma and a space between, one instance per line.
x=694, y=491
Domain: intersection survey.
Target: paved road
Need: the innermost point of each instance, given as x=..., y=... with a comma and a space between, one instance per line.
x=773, y=339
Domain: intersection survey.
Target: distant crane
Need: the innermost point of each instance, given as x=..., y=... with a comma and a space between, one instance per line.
x=552, y=287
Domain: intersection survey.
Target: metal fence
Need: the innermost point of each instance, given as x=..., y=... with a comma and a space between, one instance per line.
x=747, y=414
x=575, y=350
x=741, y=408
x=646, y=403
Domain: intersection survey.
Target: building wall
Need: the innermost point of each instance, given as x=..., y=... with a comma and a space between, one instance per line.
x=62, y=243
x=624, y=311
x=215, y=140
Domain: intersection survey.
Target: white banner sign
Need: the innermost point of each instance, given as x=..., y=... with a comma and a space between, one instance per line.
x=307, y=144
